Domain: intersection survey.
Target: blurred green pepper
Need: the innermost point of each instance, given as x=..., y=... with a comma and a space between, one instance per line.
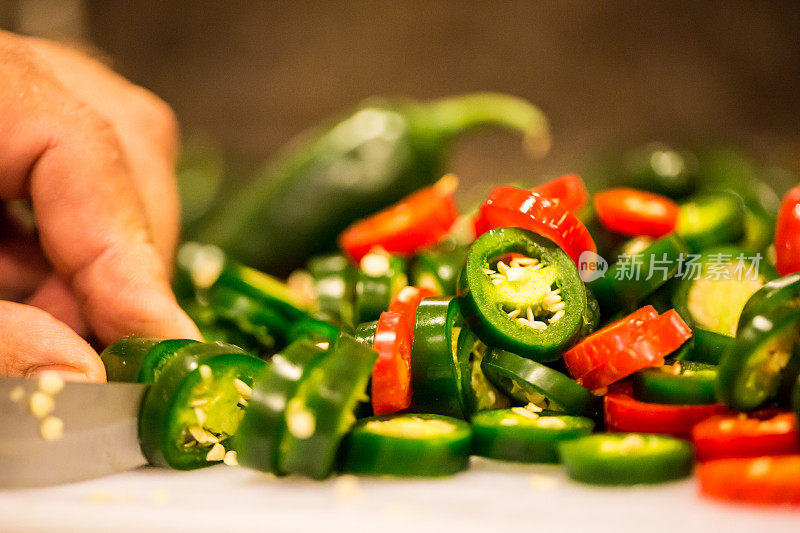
x=343, y=171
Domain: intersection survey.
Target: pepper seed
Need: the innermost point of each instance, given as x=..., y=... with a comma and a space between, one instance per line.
x=216, y=453
x=242, y=388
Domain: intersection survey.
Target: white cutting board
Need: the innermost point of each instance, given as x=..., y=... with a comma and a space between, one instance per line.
x=490, y=497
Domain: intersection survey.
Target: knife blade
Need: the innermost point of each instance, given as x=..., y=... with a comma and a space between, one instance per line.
x=100, y=427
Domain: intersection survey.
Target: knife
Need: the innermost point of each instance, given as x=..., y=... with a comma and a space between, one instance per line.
x=99, y=437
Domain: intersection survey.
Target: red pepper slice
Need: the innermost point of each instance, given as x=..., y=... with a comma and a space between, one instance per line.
x=626, y=414
x=639, y=340
x=596, y=349
x=764, y=480
x=419, y=220
x=656, y=339
x=568, y=190
x=391, y=376
x=510, y=206
x=406, y=301
x=632, y=212
x=762, y=433
x=787, y=234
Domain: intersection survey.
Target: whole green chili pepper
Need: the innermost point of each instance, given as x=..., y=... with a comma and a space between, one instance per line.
x=346, y=170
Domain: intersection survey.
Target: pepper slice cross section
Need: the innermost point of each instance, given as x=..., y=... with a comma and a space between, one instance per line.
x=520, y=292
x=410, y=445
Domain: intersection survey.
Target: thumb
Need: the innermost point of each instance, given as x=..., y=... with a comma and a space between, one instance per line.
x=32, y=341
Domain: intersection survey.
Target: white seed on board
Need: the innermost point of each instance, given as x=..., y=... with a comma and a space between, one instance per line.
x=502, y=267
x=488, y=271
x=231, y=458
x=538, y=324
x=515, y=313
x=556, y=317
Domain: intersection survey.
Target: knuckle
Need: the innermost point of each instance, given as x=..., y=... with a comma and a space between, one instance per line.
x=95, y=127
x=158, y=120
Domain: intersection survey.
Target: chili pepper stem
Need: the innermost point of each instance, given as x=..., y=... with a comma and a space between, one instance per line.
x=456, y=114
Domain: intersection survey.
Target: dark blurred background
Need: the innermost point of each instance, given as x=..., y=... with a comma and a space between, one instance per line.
x=253, y=74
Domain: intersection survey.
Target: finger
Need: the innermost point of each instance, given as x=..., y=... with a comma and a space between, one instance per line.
x=55, y=297
x=31, y=342
x=145, y=126
x=91, y=225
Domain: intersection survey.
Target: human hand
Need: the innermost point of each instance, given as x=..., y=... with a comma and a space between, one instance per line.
x=94, y=154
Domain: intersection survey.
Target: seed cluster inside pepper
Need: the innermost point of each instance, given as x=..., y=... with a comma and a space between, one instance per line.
x=527, y=291
x=218, y=404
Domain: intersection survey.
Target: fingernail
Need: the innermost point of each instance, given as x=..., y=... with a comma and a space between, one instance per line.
x=67, y=373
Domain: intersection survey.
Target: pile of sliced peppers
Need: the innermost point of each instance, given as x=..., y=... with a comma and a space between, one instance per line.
x=415, y=347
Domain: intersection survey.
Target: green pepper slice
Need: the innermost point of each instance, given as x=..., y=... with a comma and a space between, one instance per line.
x=365, y=332
x=632, y=279
x=709, y=220
x=530, y=382
x=208, y=266
x=267, y=325
x=334, y=284
x=534, y=306
x=409, y=445
x=705, y=347
x=139, y=359
x=789, y=379
x=380, y=277
x=438, y=268
x=321, y=411
x=682, y=383
x=775, y=294
x=626, y=458
x=521, y=435
x=123, y=358
x=480, y=394
x=313, y=329
x=750, y=370
x=263, y=425
x=195, y=404
x=162, y=353
x=711, y=295
x=437, y=375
